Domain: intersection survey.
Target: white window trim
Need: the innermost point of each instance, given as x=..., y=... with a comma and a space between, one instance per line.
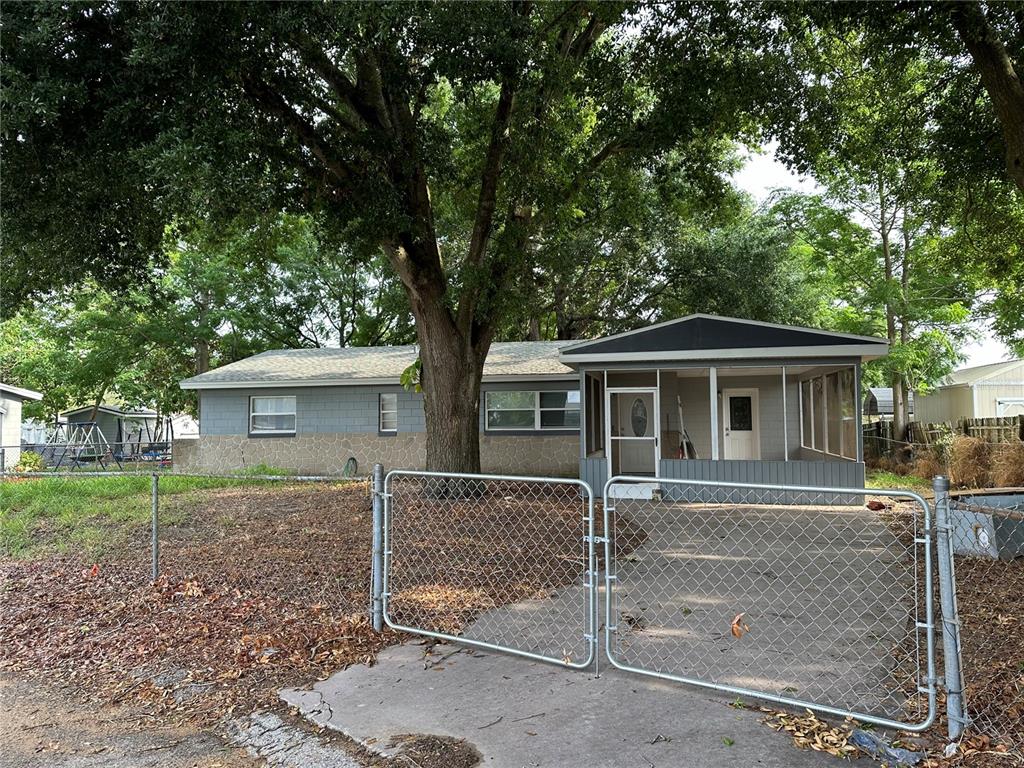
x=381, y=411
x=537, y=411
x=293, y=413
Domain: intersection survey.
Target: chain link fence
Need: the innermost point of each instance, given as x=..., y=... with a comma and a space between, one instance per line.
x=499, y=562
x=192, y=591
x=808, y=598
x=987, y=537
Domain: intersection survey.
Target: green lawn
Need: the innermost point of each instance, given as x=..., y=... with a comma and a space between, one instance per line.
x=877, y=478
x=86, y=512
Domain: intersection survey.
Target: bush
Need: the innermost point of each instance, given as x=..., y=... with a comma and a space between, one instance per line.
x=969, y=462
x=928, y=463
x=30, y=461
x=1008, y=465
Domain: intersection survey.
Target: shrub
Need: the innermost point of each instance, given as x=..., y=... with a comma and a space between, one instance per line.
x=969, y=462
x=928, y=463
x=30, y=461
x=1008, y=465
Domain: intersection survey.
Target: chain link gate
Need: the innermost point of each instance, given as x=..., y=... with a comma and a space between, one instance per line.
x=799, y=596
x=805, y=597
x=499, y=562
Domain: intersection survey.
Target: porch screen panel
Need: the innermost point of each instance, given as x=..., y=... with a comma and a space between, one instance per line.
x=848, y=407
x=807, y=438
x=818, y=403
x=834, y=415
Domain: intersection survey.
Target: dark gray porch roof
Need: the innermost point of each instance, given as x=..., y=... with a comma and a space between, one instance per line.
x=713, y=338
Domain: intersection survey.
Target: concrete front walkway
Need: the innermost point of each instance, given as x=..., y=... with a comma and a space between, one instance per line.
x=521, y=713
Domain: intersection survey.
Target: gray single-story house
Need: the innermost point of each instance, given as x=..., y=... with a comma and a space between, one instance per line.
x=11, y=398
x=698, y=397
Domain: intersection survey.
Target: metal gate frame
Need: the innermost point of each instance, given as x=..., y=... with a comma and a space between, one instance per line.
x=924, y=539
x=590, y=574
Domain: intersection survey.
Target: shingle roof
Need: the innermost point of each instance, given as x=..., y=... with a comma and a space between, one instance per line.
x=376, y=365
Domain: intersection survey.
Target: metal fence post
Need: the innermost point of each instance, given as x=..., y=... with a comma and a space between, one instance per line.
x=155, y=543
x=950, y=617
x=377, y=603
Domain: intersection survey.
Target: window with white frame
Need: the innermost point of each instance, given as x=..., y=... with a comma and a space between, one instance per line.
x=388, y=413
x=539, y=411
x=272, y=415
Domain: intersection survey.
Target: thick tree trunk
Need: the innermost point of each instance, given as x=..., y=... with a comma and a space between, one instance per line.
x=451, y=394
x=998, y=76
x=452, y=364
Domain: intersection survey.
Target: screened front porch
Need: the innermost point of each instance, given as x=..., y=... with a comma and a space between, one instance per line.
x=778, y=424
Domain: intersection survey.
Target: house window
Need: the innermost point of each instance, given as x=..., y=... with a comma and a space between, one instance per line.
x=520, y=410
x=387, y=420
x=272, y=415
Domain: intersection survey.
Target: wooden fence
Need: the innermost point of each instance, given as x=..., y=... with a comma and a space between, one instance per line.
x=880, y=440
x=1002, y=429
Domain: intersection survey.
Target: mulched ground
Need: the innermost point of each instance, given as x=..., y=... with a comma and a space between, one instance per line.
x=261, y=587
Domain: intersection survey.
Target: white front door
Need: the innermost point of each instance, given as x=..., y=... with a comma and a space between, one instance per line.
x=633, y=432
x=741, y=424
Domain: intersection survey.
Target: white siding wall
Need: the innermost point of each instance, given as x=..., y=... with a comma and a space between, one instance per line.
x=10, y=437
x=944, y=404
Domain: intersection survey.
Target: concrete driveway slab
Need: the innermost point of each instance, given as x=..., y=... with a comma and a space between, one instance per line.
x=521, y=713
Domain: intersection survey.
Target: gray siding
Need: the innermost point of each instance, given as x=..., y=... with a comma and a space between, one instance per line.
x=824, y=474
x=318, y=409
x=106, y=422
x=594, y=472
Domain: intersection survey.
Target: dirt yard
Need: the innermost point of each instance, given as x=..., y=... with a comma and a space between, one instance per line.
x=261, y=587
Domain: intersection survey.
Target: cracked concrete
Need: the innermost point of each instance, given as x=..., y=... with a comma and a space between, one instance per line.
x=266, y=735
x=521, y=713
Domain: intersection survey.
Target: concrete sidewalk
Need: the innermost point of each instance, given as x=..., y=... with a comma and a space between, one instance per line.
x=521, y=713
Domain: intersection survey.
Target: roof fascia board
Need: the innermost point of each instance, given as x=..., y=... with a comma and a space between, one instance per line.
x=713, y=356
x=738, y=364
x=26, y=394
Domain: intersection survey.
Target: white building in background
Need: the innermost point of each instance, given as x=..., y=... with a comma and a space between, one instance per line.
x=983, y=391
x=11, y=399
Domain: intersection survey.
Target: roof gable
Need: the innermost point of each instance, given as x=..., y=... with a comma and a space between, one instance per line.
x=982, y=372
x=700, y=335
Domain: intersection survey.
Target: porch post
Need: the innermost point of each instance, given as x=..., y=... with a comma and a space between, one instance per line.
x=584, y=424
x=785, y=418
x=713, y=378
x=859, y=411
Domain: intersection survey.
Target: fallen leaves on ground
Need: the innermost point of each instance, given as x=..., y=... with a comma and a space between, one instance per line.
x=808, y=732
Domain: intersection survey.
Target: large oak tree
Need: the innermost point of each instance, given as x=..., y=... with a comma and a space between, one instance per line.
x=449, y=137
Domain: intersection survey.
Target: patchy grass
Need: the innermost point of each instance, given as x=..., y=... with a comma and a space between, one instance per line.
x=880, y=478
x=59, y=514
